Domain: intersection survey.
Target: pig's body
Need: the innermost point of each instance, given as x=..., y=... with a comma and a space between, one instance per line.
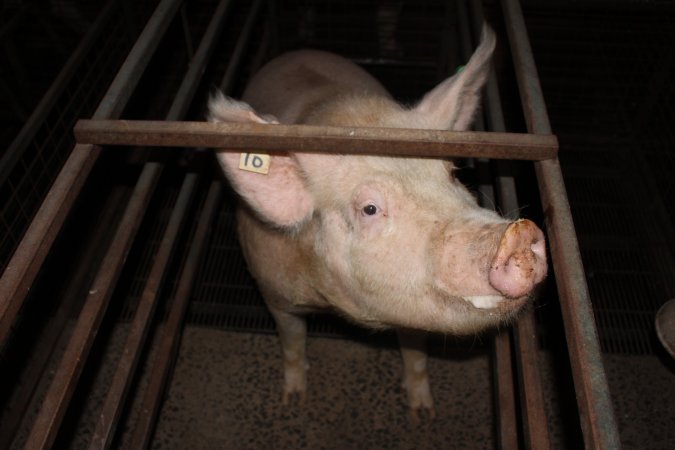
x=386, y=242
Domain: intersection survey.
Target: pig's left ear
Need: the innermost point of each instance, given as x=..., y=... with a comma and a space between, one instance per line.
x=452, y=104
x=279, y=196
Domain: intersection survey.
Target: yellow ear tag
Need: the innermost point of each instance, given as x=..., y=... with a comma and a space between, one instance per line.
x=255, y=162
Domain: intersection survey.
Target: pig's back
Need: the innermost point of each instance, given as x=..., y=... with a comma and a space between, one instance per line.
x=292, y=85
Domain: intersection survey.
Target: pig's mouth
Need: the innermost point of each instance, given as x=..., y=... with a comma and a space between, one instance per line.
x=495, y=301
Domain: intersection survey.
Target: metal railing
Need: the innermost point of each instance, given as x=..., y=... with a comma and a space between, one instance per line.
x=596, y=414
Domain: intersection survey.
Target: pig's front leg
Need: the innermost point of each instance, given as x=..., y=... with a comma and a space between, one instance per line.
x=292, y=330
x=415, y=376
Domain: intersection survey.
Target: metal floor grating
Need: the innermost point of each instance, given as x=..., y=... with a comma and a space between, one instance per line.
x=226, y=297
x=599, y=82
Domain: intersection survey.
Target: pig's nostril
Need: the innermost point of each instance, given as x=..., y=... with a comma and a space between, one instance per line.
x=538, y=248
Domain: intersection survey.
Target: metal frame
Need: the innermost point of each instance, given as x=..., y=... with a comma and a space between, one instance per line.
x=31, y=162
x=318, y=139
x=596, y=412
x=598, y=422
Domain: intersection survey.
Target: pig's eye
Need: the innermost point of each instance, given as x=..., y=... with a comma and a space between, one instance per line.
x=370, y=210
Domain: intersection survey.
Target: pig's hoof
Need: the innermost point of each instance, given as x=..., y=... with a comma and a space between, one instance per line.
x=419, y=398
x=421, y=414
x=295, y=385
x=293, y=397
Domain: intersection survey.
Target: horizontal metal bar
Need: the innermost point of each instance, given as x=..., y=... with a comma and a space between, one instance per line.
x=317, y=139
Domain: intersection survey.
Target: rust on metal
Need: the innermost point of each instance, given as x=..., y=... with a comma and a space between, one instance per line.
x=171, y=330
x=31, y=252
x=535, y=423
x=126, y=366
x=598, y=422
x=505, y=400
x=17, y=406
x=529, y=384
x=70, y=367
x=309, y=138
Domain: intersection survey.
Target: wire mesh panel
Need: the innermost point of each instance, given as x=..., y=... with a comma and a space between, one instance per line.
x=604, y=76
x=31, y=163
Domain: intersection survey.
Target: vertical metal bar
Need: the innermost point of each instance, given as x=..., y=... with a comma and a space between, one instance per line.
x=242, y=42
x=535, y=423
x=189, y=46
x=108, y=419
x=16, y=408
x=112, y=407
x=124, y=83
x=32, y=250
x=171, y=331
x=507, y=427
x=61, y=389
x=198, y=64
x=598, y=422
x=535, y=426
x=107, y=423
x=117, y=393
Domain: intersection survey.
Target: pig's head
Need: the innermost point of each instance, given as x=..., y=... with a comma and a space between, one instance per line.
x=397, y=241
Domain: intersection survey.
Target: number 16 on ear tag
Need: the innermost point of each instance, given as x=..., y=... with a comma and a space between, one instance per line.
x=255, y=162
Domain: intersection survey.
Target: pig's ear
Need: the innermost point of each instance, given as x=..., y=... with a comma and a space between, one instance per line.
x=229, y=110
x=452, y=104
x=279, y=196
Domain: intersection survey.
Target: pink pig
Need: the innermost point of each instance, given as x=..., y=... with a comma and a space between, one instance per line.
x=383, y=241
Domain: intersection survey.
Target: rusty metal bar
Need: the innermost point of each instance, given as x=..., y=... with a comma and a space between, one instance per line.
x=535, y=424
x=198, y=64
x=24, y=265
x=170, y=334
x=60, y=391
x=596, y=412
x=505, y=401
x=70, y=367
x=502, y=349
x=171, y=331
x=309, y=138
x=240, y=46
x=109, y=416
x=16, y=407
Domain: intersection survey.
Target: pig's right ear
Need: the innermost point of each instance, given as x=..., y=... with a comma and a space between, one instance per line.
x=280, y=196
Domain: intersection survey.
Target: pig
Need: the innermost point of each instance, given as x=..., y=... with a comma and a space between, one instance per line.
x=387, y=242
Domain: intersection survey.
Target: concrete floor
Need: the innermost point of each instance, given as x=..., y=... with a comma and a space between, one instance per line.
x=226, y=388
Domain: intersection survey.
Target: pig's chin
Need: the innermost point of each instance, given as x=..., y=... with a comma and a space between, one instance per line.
x=495, y=302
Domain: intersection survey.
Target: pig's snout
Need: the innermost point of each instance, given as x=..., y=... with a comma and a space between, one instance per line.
x=520, y=261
